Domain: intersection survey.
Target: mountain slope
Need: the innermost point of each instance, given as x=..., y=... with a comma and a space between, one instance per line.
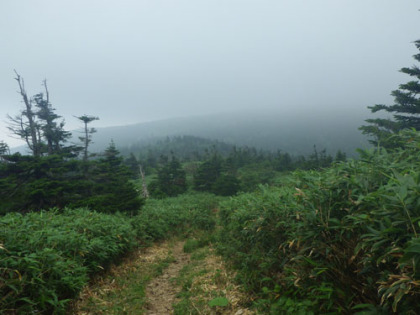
x=293, y=133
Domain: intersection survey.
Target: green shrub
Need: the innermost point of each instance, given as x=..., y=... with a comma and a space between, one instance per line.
x=337, y=240
x=159, y=218
x=47, y=257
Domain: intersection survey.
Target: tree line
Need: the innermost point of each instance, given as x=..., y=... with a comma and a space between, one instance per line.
x=243, y=169
x=59, y=174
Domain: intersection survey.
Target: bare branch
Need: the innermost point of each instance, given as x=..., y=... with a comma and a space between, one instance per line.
x=31, y=138
x=47, y=94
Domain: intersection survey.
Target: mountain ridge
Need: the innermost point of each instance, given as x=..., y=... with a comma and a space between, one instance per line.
x=295, y=133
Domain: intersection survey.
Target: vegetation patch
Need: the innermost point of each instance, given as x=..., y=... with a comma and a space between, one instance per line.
x=342, y=240
x=123, y=289
x=208, y=287
x=47, y=257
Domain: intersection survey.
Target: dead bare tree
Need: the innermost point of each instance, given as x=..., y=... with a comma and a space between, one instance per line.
x=87, y=139
x=145, y=191
x=24, y=125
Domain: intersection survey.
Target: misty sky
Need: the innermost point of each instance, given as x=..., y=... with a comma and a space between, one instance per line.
x=131, y=61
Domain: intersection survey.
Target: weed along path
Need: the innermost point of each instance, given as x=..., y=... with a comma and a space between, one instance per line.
x=161, y=292
x=174, y=277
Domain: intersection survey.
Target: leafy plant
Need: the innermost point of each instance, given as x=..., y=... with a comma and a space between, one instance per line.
x=219, y=302
x=332, y=239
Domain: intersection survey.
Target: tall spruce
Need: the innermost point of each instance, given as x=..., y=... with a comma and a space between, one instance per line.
x=87, y=138
x=171, y=179
x=406, y=110
x=4, y=149
x=53, y=132
x=38, y=125
x=207, y=173
x=112, y=189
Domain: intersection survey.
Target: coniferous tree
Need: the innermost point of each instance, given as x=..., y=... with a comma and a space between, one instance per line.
x=87, y=138
x=37, y=124
x=283, y=162
x=112, y=190
x=406, y=110
x=4, y=149
x=207, y=173
x=132, y=163
x=340, y=156
x=53, y=132
x=31, y=183
x=171, y=179
x=226, y=185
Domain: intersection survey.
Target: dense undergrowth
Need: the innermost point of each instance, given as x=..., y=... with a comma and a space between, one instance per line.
x=341, y=240
x=48, y=256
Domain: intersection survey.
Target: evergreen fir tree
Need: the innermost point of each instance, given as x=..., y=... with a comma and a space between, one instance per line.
x=207, y=173
x=171, y=179
x=406, y=110
x=133, y=165
x=226, y=185
x=112, y=190
x=53, y=132
x=87, y=138
x=4, y=150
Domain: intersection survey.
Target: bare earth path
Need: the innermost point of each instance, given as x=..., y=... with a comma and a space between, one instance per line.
x=149, y=280
x=161, y=291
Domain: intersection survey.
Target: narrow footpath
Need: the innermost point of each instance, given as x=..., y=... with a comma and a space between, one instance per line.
x=164, y=280
x=161, y=291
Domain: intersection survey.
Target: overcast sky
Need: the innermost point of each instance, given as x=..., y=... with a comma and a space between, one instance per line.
x=131, y=61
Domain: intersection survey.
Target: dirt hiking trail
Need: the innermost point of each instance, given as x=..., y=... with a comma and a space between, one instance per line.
x=151, y=281
x=161, y=291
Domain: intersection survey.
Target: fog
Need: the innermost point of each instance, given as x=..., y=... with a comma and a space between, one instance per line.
x=137, y=61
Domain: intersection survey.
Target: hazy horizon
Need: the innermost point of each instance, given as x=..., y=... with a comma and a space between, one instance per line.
x=137, y=61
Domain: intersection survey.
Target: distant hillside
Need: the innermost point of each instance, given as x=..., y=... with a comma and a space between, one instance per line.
x=184, y=148
x=296, y=134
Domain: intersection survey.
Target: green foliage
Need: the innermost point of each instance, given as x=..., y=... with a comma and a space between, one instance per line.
x=30, y=183
x=328, y=241
x=185, y=148
x=406, y=109
x=46, y=257
x=53, y=132
x=87, y=138
x=133, y=165
x=4, y=149
x=161, y=218
x=211, y=177
x=171, y=180
x=37, y=124
x=33, y=183
x=191, y=245
x=200, y=241
x=110, y=187
x=207, y=173
x=253, y=175
x=219, y=301
x=226, y=185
